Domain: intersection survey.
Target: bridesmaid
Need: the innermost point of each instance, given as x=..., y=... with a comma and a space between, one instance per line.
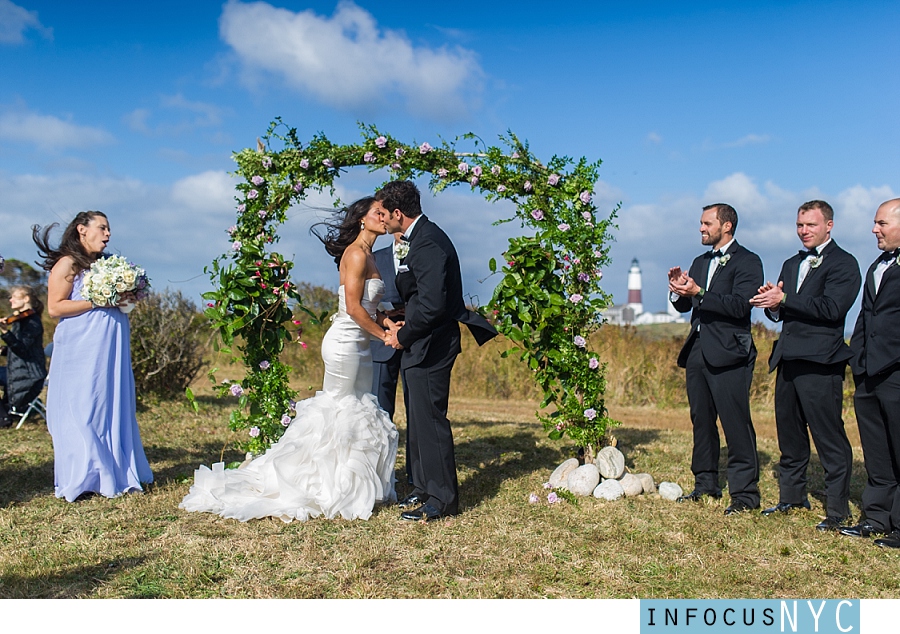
x=91, y=410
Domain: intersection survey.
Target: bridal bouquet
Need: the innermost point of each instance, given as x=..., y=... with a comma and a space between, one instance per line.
x=111, y=277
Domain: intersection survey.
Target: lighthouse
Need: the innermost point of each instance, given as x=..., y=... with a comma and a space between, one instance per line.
x=634, y=288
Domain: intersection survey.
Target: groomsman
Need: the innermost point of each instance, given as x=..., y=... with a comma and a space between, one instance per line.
x=718, y=358
x=385, y=359
x=815, y=291
x=875, y=363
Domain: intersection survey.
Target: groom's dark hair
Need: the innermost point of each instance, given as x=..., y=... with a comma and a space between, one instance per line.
x=402, y=195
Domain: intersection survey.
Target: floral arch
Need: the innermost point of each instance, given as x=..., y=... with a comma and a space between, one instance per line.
x=547, y=303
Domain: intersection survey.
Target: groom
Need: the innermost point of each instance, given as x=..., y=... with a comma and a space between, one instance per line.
x=430, y=284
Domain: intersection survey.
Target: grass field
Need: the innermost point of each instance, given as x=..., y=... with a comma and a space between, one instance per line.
x=142, y=545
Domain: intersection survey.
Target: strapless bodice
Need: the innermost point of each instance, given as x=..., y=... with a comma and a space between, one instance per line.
x=373, y=291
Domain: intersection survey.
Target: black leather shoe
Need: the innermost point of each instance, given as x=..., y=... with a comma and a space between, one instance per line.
x=833, y=523
x=737, y=507
x=863, y=529
x=411, y=500
x=424, y=513
x=696, y=496
x=889, y=541
x=786, y=507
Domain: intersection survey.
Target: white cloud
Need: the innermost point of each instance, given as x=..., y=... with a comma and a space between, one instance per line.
x=349, y=62
x=205, y=115
x=15, y=21
x=654, y=138
x=210, y=192
x=750, y=139
x=49, y=132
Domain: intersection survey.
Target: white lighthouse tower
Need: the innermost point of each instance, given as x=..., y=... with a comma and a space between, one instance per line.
x=634, y=288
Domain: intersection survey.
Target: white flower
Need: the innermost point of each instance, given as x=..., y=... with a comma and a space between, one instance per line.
x=401, y=250
x=723, y=259
x=816, y=262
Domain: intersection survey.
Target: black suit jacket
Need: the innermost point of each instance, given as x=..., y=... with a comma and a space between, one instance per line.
x=813, y=317
x=875, y=344
x=722, y=316
x=432, y=291
x=384, y=261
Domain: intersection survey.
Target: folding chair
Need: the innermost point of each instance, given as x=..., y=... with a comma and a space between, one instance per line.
x=36, y=404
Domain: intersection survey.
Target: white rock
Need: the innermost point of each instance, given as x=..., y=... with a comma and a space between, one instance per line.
x=609, y=490
x=631, y=484
x=583, y=480
x=610, y=462
x=559, y=475
x=670, y=490
x=647, y=482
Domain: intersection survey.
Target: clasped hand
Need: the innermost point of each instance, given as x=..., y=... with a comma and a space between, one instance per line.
x=769, y=296
x=390, y=335
x=681, y=283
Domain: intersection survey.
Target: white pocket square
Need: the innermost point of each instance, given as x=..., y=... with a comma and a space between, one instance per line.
x=403, y=269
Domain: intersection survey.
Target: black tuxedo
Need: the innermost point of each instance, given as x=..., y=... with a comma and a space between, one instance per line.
x=718, y=358
x=811, y=356
x=875, y=363
x=430, y=284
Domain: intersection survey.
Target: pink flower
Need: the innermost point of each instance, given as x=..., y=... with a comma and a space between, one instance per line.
x=298, y=187
x=264, y=365
x=304, y=163
x=514, y=155
x=254, y=432
x=209, y=304
x=257, y=180
x=328, y=163
x=553, y=498
x=537, y=214
x=463, y=168
x=598, y=254
x=585, y=197
x=590, y=413
x=474, y=181
x=285, y=420
x=533, y=498
x=583, y=277
x=593, y=364
x=262, y=213
x=547, y=485
x=442, y=173
x=252, y=194
x=296, y=322
x=399, y=152
x=236, y=390
x=563, y=226
x=395, y=166
x=425, y=148
x=381, y=141
x=559, y=426
x=579, y=341
x=242, y=208
x=263, y=286
x=477, y=170
x=599, y=274
x=495, y=170
x=303, y=345
x=553, y=180
x=501, y=188
x=231, y=229
x=266, y=162
x=527, y=187
x=236, y=245
x=586, y=215
x=575, y=298
x=369, y=157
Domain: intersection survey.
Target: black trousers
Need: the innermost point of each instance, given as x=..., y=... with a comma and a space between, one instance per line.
x=431, y=457
x=877, y=403
x=809, y=396
x=385, y=375
x=722, y=393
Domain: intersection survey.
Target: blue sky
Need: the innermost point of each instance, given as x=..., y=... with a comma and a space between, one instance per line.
x=135, y=108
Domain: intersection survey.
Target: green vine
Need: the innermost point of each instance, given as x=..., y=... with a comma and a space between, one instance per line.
x=547, y=304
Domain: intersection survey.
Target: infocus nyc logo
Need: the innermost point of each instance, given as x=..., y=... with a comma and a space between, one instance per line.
x=750, y=616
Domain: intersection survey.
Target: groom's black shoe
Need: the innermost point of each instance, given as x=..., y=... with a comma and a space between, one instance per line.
x=411, y=500
x=424, y=513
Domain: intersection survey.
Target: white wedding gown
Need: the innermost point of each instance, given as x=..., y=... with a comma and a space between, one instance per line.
x=336, y=457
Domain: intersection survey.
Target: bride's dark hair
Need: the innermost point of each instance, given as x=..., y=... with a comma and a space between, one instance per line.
x=70, y=244
x=343, y=228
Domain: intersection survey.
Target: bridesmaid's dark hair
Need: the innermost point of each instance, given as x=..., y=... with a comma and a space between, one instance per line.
x=342, y=230
x=70, y=244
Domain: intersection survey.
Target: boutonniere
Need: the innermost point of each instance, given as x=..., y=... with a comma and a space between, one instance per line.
x=723, y=259
x=401, y=250
x=816, y=261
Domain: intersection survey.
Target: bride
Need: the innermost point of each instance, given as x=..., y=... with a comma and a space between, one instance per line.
x=337, y=456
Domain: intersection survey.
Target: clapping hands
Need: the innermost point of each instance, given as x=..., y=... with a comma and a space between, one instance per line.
x=681, y=283
x=769, y=296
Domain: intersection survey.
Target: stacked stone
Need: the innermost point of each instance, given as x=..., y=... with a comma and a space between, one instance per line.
x=606, y=478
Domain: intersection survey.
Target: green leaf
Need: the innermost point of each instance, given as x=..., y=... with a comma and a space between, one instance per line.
x=492, y=265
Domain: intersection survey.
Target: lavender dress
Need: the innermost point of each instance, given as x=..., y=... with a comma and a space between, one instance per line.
x=91, y=405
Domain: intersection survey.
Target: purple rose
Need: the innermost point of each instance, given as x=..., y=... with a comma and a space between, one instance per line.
x=328, y=163
x=553, y=498
x=257, y=180
x=583, y=277
x=515, y=155
x=242, y=208
x=304, y=163
x=396, y=166
x=236, y=390
x=442, y=173
x=474, y=181
x=547, y=485
x=236, y=245
x=463, y=168
x=298, y=187
x=254, y=432
x=425, y=148
x=252, y=194
x=527, y=187
x=553, y=180
x=267, y=162
x=399, y=152
x=593, y=364
x=231, y=229
x=579, y=341
x=586, y=215
x=575, y=298
x=501, y=188
x=285, y=420
x=381, y=141
x=590, y=413
x=369, y=157
x=477, y=170
x=563, y=226
x=537, y=214
x=533, y=498
x=599, y=274
x=495, y=170
x=264, y=365
x=262, y=213
x=585, y=197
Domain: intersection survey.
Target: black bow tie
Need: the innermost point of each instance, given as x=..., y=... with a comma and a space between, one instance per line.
x=812, y=253
x=887, y=256
x=716, y=254
x=403, y=238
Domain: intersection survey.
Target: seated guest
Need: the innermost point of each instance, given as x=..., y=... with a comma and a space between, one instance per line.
x=26, y=364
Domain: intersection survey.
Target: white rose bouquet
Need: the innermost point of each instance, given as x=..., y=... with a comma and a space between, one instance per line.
x=111, y=277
